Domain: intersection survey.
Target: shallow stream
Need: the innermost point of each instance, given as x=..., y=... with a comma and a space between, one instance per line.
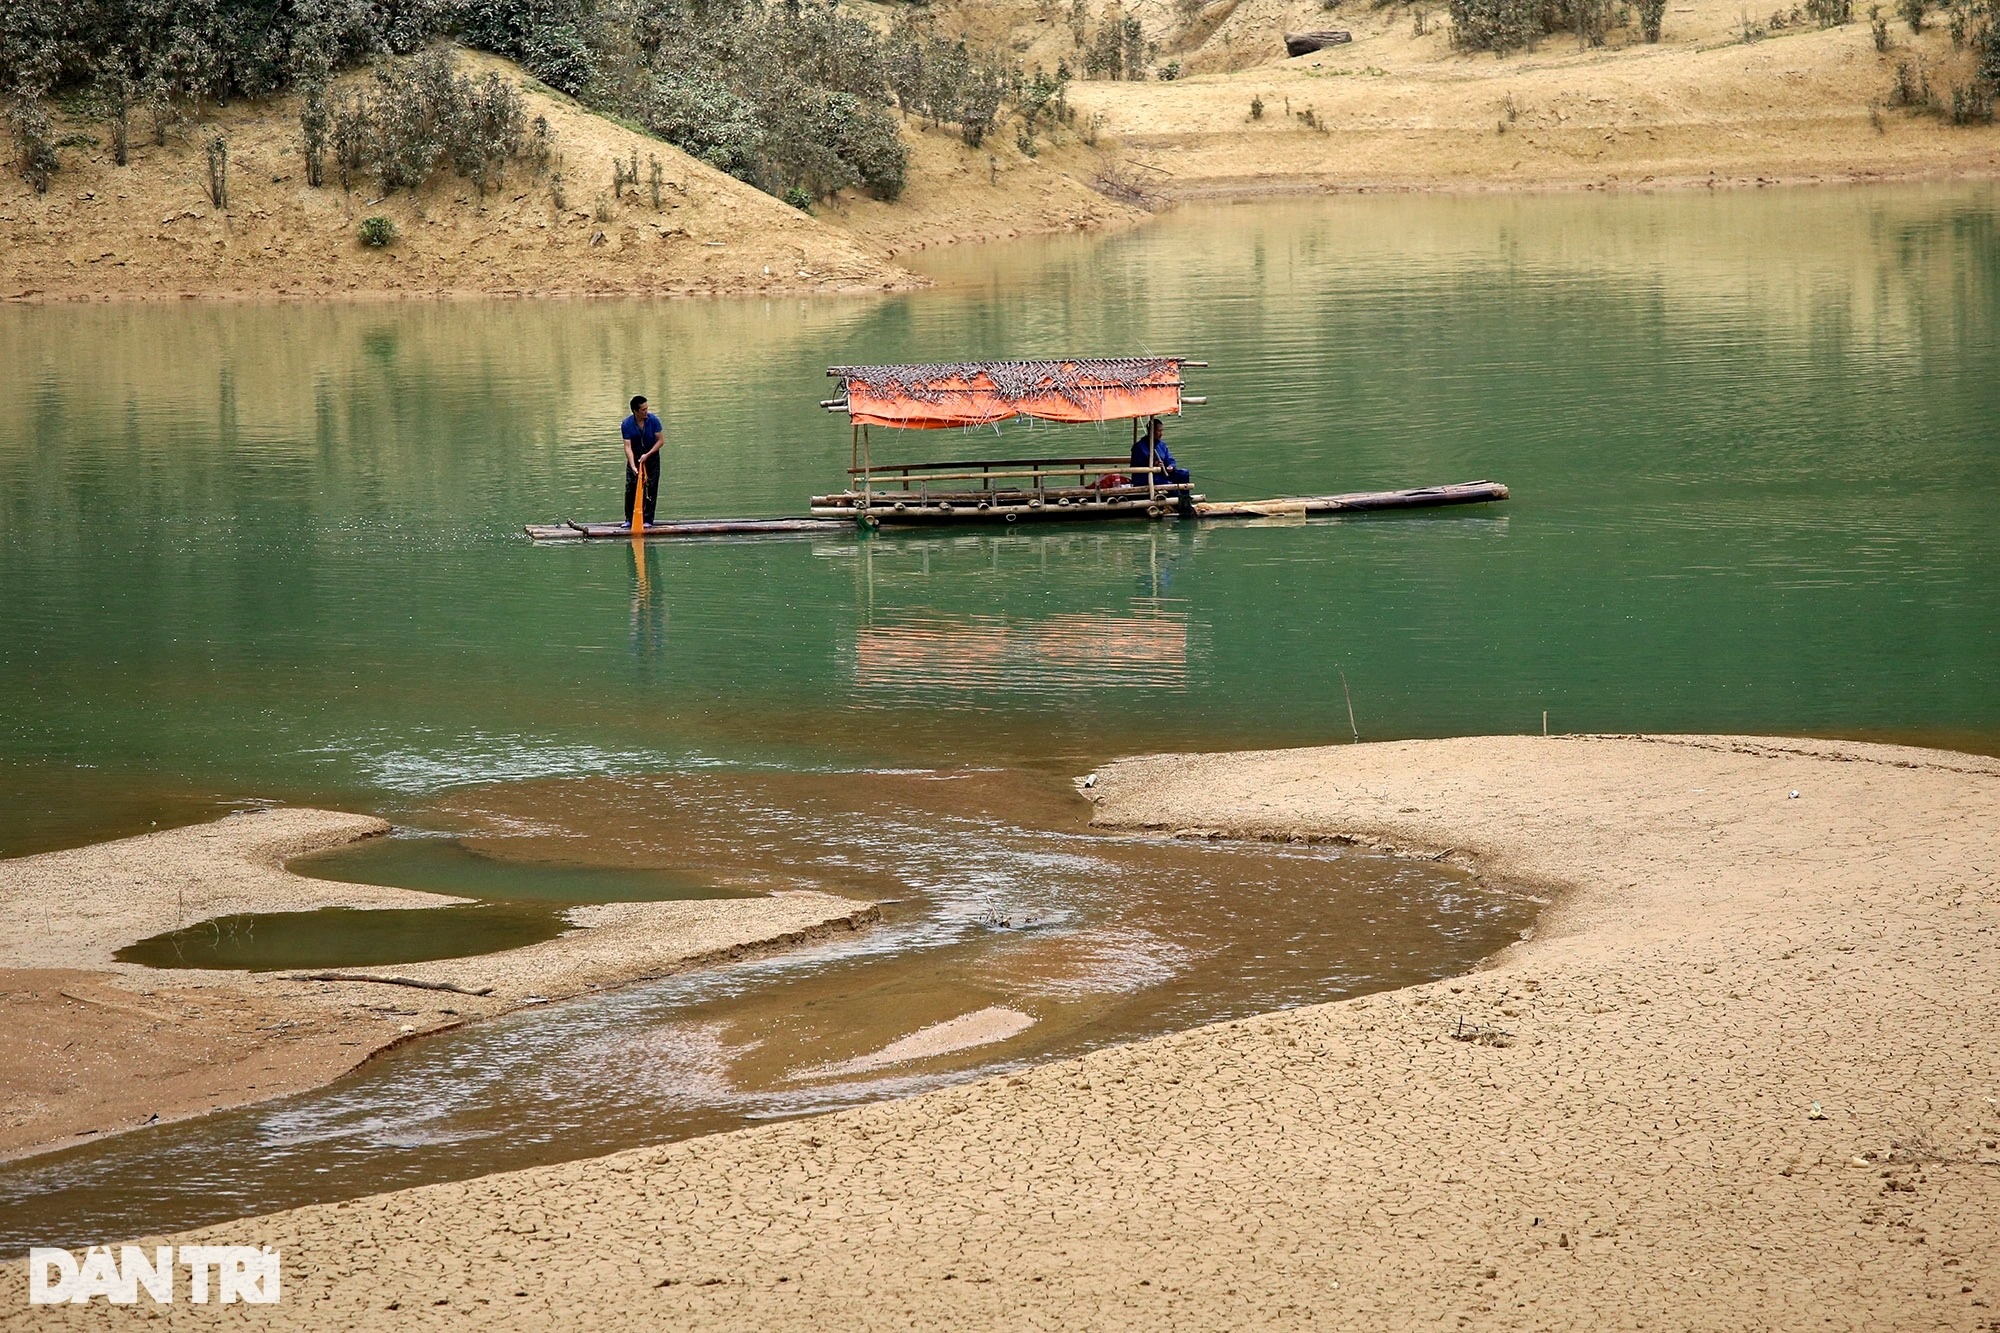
x=998, y=901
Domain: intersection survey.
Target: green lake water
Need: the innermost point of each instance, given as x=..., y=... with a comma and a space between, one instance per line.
x=255, y=554
x=273, y=552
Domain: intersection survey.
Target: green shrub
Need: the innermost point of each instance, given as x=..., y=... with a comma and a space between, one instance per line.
x=34, y=143
x=218, y=170
x=1912, y=12
x=551, y=39
x=1498, y=26
x=799, y=199
x=1971, y=103
x=703, y=117
x=422, y=115
x=868, y=139
x=315, y=127
x=377, y=232
x=1042, y=95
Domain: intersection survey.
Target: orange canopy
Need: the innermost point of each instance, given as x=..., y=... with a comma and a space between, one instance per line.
x=930, y=397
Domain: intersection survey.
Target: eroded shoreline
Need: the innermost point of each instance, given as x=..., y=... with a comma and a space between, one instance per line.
x=1735, y=1079
x=111, y=1046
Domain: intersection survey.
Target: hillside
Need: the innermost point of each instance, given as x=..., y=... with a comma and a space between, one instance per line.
x=1723, y=98
x=149, y=230
x=1395, y=110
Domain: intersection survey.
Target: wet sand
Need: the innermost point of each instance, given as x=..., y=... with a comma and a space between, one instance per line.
x=1743, y=1076
x=105, y=1046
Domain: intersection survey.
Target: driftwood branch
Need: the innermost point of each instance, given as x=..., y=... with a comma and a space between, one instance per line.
x=387, y=981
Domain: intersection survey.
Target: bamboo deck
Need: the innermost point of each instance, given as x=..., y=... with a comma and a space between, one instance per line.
x=829, y=516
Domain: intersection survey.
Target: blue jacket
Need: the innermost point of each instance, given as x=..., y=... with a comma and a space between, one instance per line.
x=1146, y=454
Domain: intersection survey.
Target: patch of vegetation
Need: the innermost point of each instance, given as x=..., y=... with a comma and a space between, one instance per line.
x=34, y=143
x=1498, y=26
x=1972, y=103
x=419, y=116
x=217, y=149
x=377, y=232
x=784, y=94
x=1912, y=87
x=1501, y=26
x=1118, y=50
x=1651, y=14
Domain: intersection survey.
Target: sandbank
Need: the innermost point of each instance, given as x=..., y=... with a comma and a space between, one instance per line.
x=104, y=1046
x=1743, y=1075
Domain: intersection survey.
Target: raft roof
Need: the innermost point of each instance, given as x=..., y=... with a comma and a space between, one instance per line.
x=976, y=393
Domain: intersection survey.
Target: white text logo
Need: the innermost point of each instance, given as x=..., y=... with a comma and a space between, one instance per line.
x=221, y=1273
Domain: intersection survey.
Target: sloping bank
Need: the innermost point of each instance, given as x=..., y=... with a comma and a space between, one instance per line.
x=97, y=1046
x=1743, y=1076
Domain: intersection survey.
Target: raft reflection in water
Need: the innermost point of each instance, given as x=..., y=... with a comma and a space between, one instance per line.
x=1071, y=652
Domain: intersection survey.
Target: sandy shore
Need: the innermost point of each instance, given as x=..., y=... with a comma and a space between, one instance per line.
x=1744, y=1075
x=103, y=1046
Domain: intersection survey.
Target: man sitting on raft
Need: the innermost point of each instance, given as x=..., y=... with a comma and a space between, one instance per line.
x=1151, y=451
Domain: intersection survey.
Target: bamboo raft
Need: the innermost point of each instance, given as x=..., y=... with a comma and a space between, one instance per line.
x=1143, y=484
x=1354, y=502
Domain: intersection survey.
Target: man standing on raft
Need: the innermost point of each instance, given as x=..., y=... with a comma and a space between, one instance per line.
x=642, y=432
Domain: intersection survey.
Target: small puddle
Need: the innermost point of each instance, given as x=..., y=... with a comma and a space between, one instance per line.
x=349, y=936
x=522, y=903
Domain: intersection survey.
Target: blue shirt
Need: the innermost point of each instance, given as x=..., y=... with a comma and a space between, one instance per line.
x=1147, y=454
x=642, y=438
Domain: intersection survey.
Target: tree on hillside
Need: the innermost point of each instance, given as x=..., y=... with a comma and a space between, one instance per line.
x=790, y=95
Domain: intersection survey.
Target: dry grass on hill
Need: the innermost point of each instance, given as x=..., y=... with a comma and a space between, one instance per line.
x=1391, y=110
x=149, y=229
x=1394, y=110
x=994, y=192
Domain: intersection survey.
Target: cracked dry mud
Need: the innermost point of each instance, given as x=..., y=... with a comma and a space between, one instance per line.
x=1723, y=962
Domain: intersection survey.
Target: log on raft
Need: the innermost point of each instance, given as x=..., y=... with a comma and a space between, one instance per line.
x=1358, y=502
x=1305, y=43
x=697, y=527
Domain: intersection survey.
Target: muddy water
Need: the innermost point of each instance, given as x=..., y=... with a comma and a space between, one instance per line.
x=437, y=864
x=999, y=900
x=346, y=937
